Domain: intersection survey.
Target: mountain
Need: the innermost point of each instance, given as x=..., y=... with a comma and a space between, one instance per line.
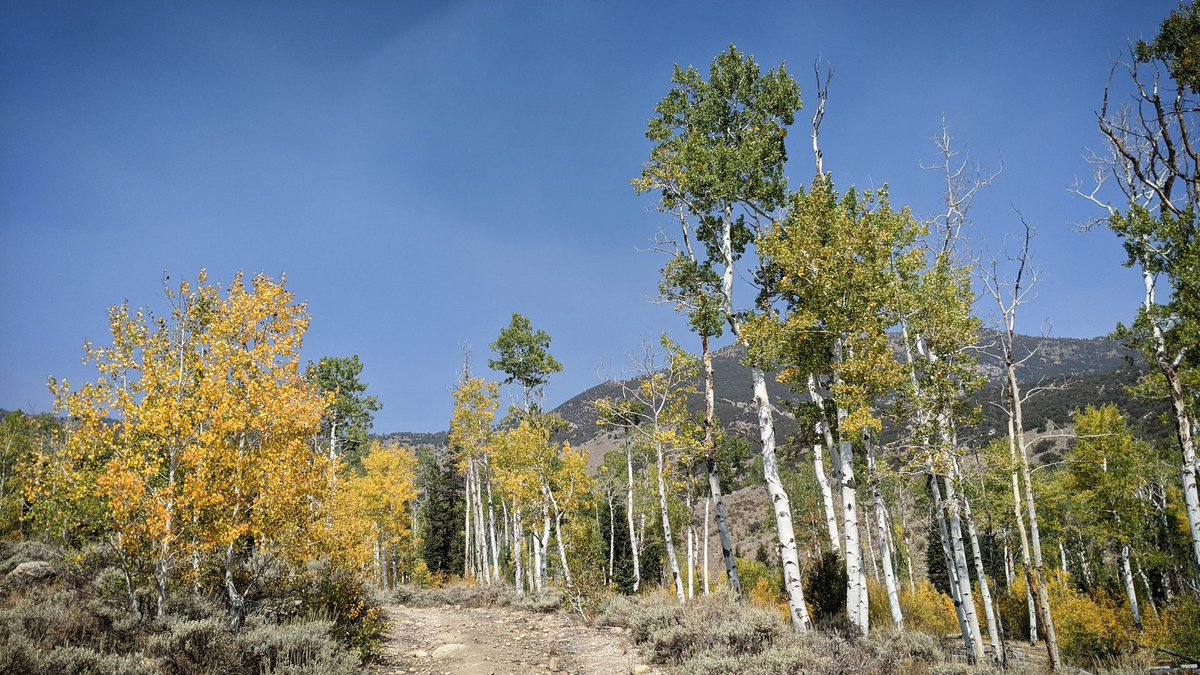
x=1072, y=372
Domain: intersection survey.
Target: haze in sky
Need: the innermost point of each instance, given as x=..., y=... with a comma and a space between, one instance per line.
x=420, y=171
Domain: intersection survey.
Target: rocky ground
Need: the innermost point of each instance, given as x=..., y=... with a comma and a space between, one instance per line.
x=501, y=641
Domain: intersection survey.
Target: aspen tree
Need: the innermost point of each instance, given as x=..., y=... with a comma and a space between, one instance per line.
x=833, y=260
x=1153, y=160
x=719, y=156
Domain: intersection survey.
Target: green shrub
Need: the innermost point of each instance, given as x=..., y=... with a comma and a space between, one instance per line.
x=711, y=624
x=294, y=648
x=196, y=646
x=340, y=595
x=24, y=657
x=825, y=588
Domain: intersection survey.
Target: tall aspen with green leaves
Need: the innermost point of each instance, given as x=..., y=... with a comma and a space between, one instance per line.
x=832, y=262
x=718, y=161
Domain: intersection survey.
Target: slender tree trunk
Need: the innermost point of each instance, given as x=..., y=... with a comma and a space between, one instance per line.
x=237, y=598
x=492, y=529
x=985, y=590
x=1008, y=568
x=629, y=506
x=1183, y=423
x=881, y=524
x=714, y=480
x=960, y=610
x=707, y=503
x=1031, y=508
x=1026, y=558
x=872, y=554
x=612, y=534
x=481, y=542
x=1062, y=556
x=1130, y=591
x=954, y=512
x=780, y=504
x=691, y=555
x=668, y=538
x=857, y=608
x=562, y=550
x=912, y=578
x=856, y=579
x=826, y=498
x=518, y=550
x=825, y=432
x=544, y=558
x=468, y=550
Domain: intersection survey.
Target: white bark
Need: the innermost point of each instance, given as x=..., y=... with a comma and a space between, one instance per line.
x=691, y=555
x=668, y=537
x=780, y=504
x=707, y=502
x=970, y=642
x=819, y=466
x=882, y=525
x=714, y=481
x=985, y=591
x=857, y=609
x=492, y=531
x=633, y=538
x=1130, y=591
x=518, y=551
x=953, y=508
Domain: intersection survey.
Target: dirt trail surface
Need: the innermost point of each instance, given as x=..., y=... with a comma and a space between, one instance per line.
x=501, y=641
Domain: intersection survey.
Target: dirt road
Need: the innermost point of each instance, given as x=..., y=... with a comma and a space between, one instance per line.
x=501, y=641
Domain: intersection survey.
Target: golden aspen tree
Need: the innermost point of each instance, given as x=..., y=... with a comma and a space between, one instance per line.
x=475, y=405
x=382, y=498
x=201, y=420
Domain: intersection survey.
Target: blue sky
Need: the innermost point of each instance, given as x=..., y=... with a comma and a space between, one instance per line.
x=420, y=171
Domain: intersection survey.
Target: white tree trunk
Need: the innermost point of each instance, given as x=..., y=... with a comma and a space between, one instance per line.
x=857, y=609
x=1130, y=591
x=953, y=508
x=481, y=543
x=668, y=537
x=819, y=465
x=985, y=591
x=633, y=538
x=492, y=532
x=544, y=559
x=960, y=611
x=714, y=479
x=1169, y=367
x=562, y=550
x=707, y=503
x=781, y=505
x=881, y=524
x=612, y=535
x=1039, y=569
x=826, y=498
x=518, y=550
x=691, y=556
x=468, y=556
